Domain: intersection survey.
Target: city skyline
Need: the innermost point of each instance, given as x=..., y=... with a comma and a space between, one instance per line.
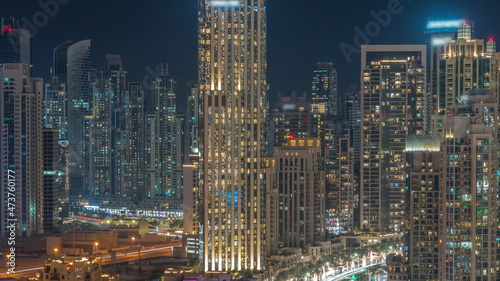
x=394, y=173
x=293, y=51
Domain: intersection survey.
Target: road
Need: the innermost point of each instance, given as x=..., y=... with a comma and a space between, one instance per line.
x=120, y=258
x=351, y=272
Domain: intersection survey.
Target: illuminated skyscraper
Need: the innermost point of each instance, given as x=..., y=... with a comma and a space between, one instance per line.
x=233, y=90
x=423, y=160
x=72, y=66
x=293, y=117
x=392, y=97
x=324, y=88
x=464, y=65
x=15, y=42
x=300, y=204
x=469, y=214
x=21, y=150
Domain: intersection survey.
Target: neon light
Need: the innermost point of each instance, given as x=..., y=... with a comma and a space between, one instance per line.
x=7, y=30
x=444, y=24
x=225, y=3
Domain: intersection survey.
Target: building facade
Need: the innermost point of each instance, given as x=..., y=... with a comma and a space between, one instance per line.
x=232, y=58
x=300, y=185
x=423, y=161
x=21, y=151
x=470, y=189
x=72, y=67
x=392, y=103
x=324, y=88
x=15, y=42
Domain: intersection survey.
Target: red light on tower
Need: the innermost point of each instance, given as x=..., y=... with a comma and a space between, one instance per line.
x=491, y=39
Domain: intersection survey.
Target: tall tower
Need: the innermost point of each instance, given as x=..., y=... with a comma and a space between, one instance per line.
x=301, y=189
x=469, y=216
x=324, y=87
x=423, y=161
x=392, y=102
x=21, y=150
x=72, y=66
x=465, y=65
x=15, y=42
x=233, y=91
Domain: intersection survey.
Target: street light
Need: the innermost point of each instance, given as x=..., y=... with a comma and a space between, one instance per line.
x=96, y=246
x=55, y=252
x=133, y=241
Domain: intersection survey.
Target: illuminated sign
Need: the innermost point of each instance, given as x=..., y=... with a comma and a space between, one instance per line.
x=441, y=41
x=225, y=3
x=443, y=24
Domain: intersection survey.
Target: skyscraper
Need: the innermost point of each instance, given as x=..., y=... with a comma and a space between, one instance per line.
x=21, y=150
x=392, y=103
x=294, y=117
x=165, y=95
x=469, y=220
x=72, y=66
x=324, y=88
x=423, y=160
x=464, y=65
x=15, y=42
x=301, y=189
x=233, y=89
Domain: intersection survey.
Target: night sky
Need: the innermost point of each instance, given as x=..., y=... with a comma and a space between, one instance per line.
x=300, y=33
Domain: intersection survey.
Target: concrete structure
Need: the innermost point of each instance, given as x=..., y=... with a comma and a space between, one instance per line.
x=72, y=268
x=301, y=193
x=423, y=161
x=469, y=219
x=340, y=184
x=464, y=65
x=233, y=90
x=87, y=239
x=392, y=107
x=21, y=151
x=325, y=88
x=15, y=42
x=294, y=117
x=72, y=67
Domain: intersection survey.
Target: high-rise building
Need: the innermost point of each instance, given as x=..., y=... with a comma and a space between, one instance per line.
x=193, y=119
x=233, y=90
x=300, y=202
x=72, y=67
x=469, y=211
x=53, y=178
x=423, y=160
x=324, y=88
x=55, y=103
x=101, y=138
x=130, y=175
x=340, y=183
x=15, y=42
x=464, y=65
x=21, y=151
x=294, y=117
x=392, y=102
x=165, y=95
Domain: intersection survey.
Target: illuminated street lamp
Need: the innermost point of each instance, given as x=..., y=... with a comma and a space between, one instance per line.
x=133, y=241
x=55, y=252
x=96, y=246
